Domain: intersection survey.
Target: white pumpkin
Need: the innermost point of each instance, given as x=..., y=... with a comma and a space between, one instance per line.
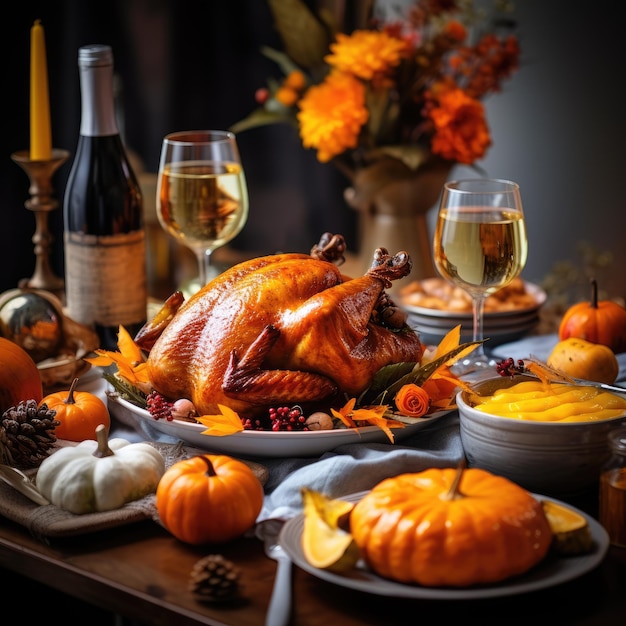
x=100, y=475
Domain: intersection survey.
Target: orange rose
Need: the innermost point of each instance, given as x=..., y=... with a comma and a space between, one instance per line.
x=412, y=400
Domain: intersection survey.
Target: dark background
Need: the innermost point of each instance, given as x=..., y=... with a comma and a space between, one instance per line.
x=558, y=127
x=182, y=65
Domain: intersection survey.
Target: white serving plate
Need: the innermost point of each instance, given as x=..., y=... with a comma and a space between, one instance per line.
x=553, y=570
x=251, y=443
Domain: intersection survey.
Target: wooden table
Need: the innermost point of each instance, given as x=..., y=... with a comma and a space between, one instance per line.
x=138, y=574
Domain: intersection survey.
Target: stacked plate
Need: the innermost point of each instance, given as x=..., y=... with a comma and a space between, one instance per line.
x=498, y=326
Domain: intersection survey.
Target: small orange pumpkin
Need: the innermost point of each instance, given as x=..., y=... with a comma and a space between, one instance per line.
x=429, y=529
x=602, y=322
x=79, y=413
x=19, y=376
x=209, y=499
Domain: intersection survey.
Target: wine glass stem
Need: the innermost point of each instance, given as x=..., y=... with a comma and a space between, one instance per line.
x=204, y=266
x=478, y=306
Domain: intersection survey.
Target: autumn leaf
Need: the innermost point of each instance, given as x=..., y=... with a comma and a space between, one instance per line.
x=386, y=424
x=442, y=387
x=374, y=416
x=227, y=422
x=343, y=414
x=370, y=416
x=129, y=360
x=306, y=36
x=369, y=413
x=446, y=345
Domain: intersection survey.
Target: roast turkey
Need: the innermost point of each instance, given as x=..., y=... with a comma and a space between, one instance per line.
x=280, y=330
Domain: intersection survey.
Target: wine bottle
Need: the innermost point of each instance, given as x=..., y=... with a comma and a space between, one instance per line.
x=104, y=237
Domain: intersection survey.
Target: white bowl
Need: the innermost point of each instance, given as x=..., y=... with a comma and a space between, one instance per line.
x=431, y=335
x=498, y=326
x=552, y=458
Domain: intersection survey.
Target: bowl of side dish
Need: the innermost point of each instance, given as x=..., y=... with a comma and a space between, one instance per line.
x=549, y=442
x=434, y=306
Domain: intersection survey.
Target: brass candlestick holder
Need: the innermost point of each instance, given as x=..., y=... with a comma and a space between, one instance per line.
x=41, y=202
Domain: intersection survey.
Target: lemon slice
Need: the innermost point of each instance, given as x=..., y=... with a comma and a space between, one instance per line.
x=325, y=544
x=571, y=533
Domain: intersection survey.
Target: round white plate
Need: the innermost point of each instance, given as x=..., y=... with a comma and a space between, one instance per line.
x=254, y=443
x=553, y=570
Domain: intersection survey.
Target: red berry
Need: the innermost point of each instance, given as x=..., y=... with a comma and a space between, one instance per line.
x=158, y=406
x=261, y=95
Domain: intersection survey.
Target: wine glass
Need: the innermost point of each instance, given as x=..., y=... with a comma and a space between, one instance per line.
x=480, y=245
x=202, y=196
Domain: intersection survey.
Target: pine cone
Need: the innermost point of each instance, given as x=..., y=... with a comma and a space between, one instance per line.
x=214, y=579
x=27, y=433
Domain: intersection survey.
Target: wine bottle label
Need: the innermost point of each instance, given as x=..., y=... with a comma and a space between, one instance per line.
x=105, y=278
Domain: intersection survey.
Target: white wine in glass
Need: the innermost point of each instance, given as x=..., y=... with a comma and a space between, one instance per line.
x=202, y=196
x=480, y=245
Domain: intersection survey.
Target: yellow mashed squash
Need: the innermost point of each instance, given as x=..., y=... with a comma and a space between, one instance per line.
x=552, y=402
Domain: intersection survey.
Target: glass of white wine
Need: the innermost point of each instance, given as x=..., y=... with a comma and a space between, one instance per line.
x=202, y=196
x=480, y=245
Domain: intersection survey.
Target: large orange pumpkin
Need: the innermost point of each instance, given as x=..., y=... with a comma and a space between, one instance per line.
x=209, y=499
x=79, y=413
x=418, y=528
x=597, y=321
x=19, y=376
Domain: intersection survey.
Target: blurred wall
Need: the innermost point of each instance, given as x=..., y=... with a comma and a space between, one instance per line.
x=557, y=127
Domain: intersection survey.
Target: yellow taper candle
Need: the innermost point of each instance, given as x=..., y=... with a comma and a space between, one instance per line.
x=40, y=132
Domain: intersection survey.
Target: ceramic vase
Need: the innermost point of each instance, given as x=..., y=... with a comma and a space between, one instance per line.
x=393, y=202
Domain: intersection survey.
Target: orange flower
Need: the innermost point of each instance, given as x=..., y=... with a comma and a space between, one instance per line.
x=366, y=53
x=332, y=115
x=412, y=400
x=461, y=131
x=375, y=92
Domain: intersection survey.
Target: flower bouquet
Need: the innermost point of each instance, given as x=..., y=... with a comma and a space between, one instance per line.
x=395, y=104
x=408, y=89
